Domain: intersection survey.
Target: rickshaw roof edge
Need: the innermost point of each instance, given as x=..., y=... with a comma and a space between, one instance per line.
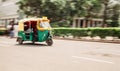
x=29, y=19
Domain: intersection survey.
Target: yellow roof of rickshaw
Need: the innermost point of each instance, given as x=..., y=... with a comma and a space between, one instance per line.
x=30, y=19
x=33, y=19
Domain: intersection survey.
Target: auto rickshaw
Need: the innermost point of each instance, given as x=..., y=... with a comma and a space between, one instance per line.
x=35, y=30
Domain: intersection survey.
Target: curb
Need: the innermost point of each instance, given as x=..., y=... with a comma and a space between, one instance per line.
x=101, y=41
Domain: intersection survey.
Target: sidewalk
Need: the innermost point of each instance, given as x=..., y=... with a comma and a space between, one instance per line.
x=95, y=39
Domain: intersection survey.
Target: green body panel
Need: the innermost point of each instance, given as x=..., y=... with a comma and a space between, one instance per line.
x=21, y=34
x=42, y=36
x=25, y=37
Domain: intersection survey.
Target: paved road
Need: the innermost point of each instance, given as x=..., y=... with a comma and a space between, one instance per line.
x=64, y=55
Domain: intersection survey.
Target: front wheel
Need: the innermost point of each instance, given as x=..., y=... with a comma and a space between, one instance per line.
x=49, y=42
x=20, y=41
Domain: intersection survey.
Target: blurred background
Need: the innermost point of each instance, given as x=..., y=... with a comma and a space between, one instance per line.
x=63, y=13
x=67, y=13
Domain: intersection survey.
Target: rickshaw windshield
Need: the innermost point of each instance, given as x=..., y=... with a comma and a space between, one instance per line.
x=45, y=25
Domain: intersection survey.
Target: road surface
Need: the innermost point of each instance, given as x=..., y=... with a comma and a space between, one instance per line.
x=64, y=55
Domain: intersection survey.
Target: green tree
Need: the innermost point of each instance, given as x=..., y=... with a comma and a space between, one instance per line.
x=31, y=7
x=110, y=12
x=115, y=16
x=105, y=4
x=62, y=12
x=54, y=10
x=87, y=8
x=58, y=10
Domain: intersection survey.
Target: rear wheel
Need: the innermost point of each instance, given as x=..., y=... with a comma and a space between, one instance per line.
x=49, y=42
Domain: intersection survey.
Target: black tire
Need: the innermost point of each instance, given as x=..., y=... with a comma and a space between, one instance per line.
x=33, y=42
x=20, y=41
x=49, y=42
